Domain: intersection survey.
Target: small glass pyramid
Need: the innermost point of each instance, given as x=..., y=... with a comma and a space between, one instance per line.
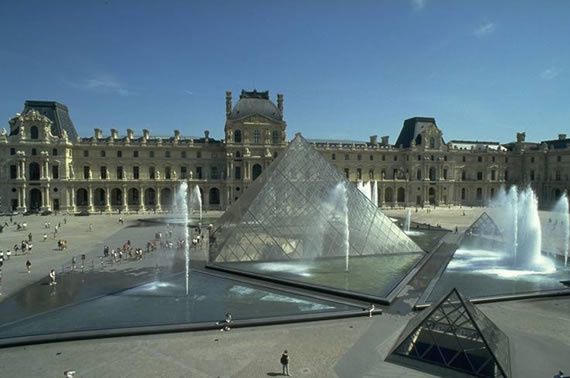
x=453, y=333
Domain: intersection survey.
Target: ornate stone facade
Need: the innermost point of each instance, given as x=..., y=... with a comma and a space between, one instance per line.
x=46, y=166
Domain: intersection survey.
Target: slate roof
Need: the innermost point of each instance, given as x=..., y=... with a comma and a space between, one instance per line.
x=411, y=129
x=57, y=113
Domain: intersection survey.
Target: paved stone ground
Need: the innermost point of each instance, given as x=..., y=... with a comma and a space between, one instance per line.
x=356, y=347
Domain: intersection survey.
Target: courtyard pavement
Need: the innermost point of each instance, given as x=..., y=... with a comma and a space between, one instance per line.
x=356, y=347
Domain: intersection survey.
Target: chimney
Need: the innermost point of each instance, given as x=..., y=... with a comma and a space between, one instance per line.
x=280, y=102
x=385, y=140
x=228, y=103
x=97, y=133
x=114, y=134
x=146, y=134
x=561, y=136
x=130, y=134
x=374, y=140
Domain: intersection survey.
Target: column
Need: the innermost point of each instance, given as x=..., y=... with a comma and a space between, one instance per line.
x=90, y=191
x=141, y=199
x=107, y=199
x=24, y=199
x=72, y=205
x=157, y=199
x=125, y=206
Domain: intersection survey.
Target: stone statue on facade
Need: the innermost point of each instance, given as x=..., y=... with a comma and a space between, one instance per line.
x=3, y=132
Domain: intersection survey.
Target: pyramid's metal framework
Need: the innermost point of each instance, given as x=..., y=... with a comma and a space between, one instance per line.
x=288, y=213
x=455, y=334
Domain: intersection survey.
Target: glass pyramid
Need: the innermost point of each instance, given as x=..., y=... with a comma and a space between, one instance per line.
x=455, y=334
x=483, y=233
x=301, y=209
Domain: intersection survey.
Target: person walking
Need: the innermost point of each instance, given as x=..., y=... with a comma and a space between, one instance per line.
x=30, y=237
x=52, y=277
x=73, y=263
x=285, y=362
x=29, y=266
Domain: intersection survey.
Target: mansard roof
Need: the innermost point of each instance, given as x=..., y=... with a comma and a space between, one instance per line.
x=412, y=127
x=57, y=113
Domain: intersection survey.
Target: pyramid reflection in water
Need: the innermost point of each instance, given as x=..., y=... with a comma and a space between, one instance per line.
x=301, y=221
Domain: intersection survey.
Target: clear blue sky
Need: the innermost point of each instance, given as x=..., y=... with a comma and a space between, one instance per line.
x=350, y=69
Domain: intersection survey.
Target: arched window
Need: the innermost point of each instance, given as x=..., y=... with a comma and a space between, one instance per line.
x=275, y=137
x=419, y=174
x=82, y=197
x=34, y=132
x=214, y=196
x=54, y=152
x=256, y=136
x=432, y=174
x=256, y=171
x=237, y=136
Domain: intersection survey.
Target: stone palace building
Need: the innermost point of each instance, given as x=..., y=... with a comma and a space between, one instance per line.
x=46, y=165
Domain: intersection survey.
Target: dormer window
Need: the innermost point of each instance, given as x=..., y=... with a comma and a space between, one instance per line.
x=275, y=137
x=432, y=143
x=34, y=132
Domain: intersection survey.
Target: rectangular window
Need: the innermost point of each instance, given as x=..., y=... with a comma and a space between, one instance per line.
x=120, y=173
x=394, y=173
x=359, y=173
x=445, y=174
x=214, y=173
x=463, y=176
x=13, y=171
x=167, y=173
x=12, y=151
x=198, y=154
x=557, y=176
x=559, y=158
x=395, y=157
x=506, y=175
x=346, y=157
x=34, y=151
x=54, y=152
x=333, y=157
x=151, y=154
x=151, y=173
x=463, y=159
x=347, y=173
x=531, y=175
x=86, y=172
x=103, y=173
x=103, y=153
x=480, y=159
x=85, y=153
x=371, y=173
x=358, y=157
x=371, y=157
x=166, y=154
x=383, y=157
x=136, y=173
x=135, y=153
x=119, y=153
x=237, y=173
x=493, y=175
x=55, y=171
x=199, y=173
x=479, y=176
x=184, y=172
x=183, y=154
